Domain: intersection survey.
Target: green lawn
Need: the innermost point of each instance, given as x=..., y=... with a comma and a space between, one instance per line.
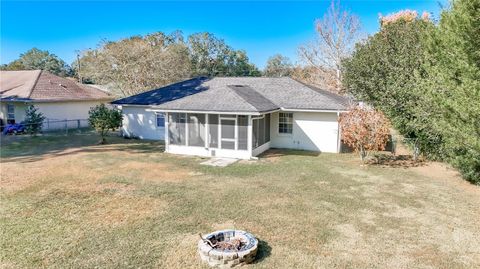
x=69, y=203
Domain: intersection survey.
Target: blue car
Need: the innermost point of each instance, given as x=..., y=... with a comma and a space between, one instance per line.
x=14, y=128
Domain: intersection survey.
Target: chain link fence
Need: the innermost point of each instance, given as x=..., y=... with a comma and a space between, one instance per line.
x=50, y=126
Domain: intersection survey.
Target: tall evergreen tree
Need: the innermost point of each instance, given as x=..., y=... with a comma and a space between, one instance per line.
x=382, y=71
x=452, y=82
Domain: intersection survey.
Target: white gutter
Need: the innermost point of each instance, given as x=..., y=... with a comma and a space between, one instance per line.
x=312, y=110
x=153, y=109
x=209, y=112
x=259, y=117
x=200, y=111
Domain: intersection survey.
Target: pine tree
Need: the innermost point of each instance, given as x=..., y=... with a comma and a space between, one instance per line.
x=33, y=120
x=452, y=82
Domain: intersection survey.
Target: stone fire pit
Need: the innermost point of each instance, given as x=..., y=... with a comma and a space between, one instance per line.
x=227, y=248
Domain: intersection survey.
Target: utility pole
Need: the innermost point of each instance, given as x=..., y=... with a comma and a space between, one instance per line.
x=79, y=66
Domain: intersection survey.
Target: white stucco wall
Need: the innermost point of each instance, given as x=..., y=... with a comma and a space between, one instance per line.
x=66, y=110
x=19, y=111
x=315, y=131
x=139, y=122
x=53, y=110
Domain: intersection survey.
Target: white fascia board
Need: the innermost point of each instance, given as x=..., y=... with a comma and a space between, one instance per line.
x=152, y=109
x=311, y=110
x=125, y=105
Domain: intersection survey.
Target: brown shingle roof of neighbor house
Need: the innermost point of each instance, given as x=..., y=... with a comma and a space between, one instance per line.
x=238, y=94
x=42, y=86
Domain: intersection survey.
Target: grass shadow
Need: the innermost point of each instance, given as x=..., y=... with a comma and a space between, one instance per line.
x=264, y=250
x=273, y=153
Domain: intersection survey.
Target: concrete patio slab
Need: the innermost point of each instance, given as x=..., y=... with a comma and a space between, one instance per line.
x=220, y=162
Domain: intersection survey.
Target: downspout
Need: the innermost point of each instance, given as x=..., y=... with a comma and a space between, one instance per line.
x=339, y=133
x=250, y=142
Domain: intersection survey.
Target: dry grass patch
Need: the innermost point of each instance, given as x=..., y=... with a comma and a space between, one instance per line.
x=181, y=253
x=130, y=205
x=121, y=210
x=154, y=172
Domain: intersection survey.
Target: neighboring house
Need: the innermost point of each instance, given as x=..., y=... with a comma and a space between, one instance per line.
x=238, y=117
x=56, y=97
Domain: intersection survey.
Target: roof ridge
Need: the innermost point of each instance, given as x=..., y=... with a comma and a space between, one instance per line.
x=35, y=83
x=230, y=87
x=241, y=97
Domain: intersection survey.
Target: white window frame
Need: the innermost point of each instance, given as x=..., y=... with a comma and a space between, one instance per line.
x=288, y=120
x=10, y=114
x=157, y=116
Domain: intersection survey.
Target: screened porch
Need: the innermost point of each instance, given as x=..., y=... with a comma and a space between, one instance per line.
x=223, y=135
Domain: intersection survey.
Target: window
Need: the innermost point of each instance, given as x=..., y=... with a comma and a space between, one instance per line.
x=285, y=123
x=160, y=120
x=10, y=113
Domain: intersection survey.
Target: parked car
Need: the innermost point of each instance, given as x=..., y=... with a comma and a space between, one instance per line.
x=15, y=128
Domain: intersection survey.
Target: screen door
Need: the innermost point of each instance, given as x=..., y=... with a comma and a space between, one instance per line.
x=227, y=133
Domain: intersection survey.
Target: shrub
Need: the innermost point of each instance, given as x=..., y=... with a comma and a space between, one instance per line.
x=365, y=130
x=104, y=119
x=33, y=120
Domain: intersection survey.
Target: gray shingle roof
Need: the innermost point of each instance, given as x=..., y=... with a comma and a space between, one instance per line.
x=238, y=94
x=254, y=98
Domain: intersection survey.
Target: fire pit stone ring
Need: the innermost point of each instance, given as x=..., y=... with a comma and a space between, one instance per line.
x=228, y=248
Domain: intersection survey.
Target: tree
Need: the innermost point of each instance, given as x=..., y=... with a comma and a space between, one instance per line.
x=452, y=82
x=383, y=72
x=425, y=78
x=211, y=56
x=278, y=66
x=311, y=75
x=364, y=129
x=337, y=31
x=35, y=59
x=33, y=120
x=103, y=120
x=138, y=63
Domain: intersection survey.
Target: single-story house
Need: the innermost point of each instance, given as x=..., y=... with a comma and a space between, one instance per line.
x=56, y=97
x=238, y=117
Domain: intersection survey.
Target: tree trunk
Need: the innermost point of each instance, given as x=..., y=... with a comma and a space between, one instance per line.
x=363, y=154
x=103, y=141
x=416, y=150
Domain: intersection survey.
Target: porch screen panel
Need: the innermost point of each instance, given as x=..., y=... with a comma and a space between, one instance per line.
x=177, y=128
x=196, y=129
x=267, y=128
x=213, y=130
x=254, y=134
x=242, y=132
x=261, y=131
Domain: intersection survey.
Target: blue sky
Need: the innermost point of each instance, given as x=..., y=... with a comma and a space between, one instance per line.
x=261, y=28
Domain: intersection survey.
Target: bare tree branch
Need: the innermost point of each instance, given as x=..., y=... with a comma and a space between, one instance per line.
x=336, y=34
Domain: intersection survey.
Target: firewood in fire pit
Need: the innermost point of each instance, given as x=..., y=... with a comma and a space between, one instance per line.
x=235, y=244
